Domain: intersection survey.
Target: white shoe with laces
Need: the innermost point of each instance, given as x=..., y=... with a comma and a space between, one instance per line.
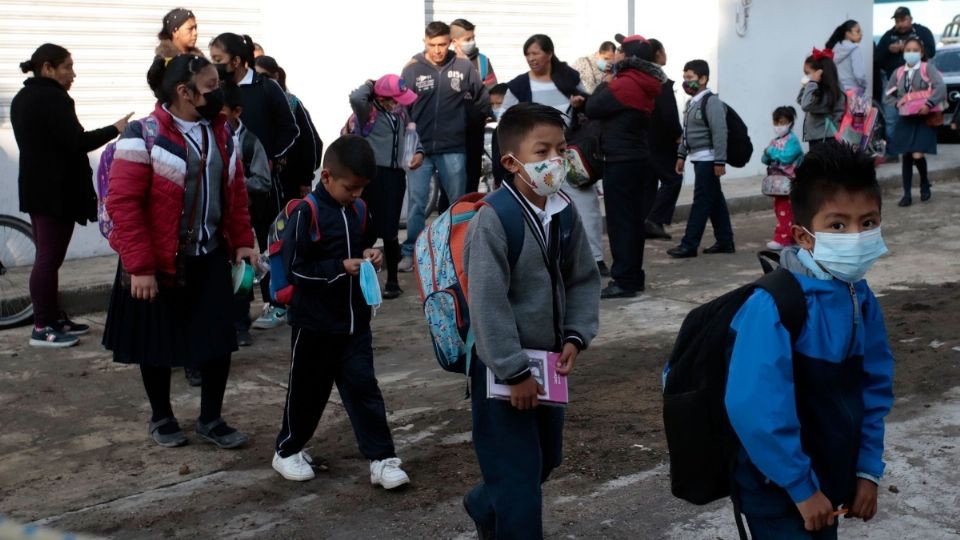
x=296, y=467
x=775, y=246
x=387, y=473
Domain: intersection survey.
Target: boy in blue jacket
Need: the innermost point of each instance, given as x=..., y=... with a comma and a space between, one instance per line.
x=331, y=338
x=810, y=414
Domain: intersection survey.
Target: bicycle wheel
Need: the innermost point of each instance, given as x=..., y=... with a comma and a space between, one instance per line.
x=17, y=254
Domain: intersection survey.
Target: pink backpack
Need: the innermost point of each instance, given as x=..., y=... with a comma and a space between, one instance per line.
x=149, y=125
x=911, y=103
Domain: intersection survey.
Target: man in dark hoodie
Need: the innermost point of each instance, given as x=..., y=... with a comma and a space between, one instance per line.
x=623, y=106
x=445, y=84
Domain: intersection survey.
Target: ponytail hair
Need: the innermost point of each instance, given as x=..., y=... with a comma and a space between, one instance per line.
x=165, y=74
x=830, y=80
x=546, y=45
x=48, y=53
x=236, y=46
x=840, y=33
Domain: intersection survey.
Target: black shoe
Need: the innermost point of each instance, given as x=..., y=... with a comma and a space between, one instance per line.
x=602, y=268
x=719, y=248
x=905, y=201
x=193, y=376
x=925, y=194
x=483, y=532
x=244, y=339
x=392, y=290
x=655, y=231
x=220, y=434
x=682, y=252
x=615, y=291
x=66, y=326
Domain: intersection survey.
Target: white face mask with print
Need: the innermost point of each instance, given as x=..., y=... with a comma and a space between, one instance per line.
x=545, y=177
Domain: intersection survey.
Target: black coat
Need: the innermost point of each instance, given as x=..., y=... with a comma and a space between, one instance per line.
x=665, y=128
x=55, y=175
x=267, y=114
x=887, y=61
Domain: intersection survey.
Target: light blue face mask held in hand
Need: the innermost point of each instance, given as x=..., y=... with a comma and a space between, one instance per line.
x=370, y=285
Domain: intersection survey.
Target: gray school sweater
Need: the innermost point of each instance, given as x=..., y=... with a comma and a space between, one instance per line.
x=700, y=134
x=820, y=121
x=514, y=310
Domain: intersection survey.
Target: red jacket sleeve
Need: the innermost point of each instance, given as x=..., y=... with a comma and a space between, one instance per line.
x=130, y=179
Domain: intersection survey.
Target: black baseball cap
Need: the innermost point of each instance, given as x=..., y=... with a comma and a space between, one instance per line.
x=901, y=12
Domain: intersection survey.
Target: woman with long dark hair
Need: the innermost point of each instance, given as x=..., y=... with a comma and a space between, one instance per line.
x=179, y=207
x=821, y=97
x=267, y=114
x=55, y=181
x=845, y=44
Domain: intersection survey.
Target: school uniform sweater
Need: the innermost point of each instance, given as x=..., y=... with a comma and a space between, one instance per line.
x=704, y=134
x=810, y=415
x=821, y=120
x=520, y=308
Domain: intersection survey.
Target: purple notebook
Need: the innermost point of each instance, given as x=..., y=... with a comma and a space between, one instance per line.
x=543, y=366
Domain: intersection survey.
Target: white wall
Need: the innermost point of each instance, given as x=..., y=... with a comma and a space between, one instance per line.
x=762, y=70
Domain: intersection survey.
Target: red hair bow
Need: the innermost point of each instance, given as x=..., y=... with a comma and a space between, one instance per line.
x=820, y=54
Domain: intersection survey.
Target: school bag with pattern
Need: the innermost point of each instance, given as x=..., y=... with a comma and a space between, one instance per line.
x=281, y=290
x=149, y=127
x=739, y=147
x=702, y=444
x=442, y=274
x=858, y=126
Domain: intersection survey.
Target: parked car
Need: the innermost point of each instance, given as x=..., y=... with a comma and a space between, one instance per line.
x=947, y=61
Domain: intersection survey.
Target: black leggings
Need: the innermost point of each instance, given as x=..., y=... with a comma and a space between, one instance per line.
x=156, y=381
x=908, y=162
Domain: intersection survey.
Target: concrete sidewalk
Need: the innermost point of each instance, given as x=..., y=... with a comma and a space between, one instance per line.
x=85, y=284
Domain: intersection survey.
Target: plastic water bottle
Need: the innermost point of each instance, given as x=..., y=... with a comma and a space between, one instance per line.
x=261, y=267
x=410, y=143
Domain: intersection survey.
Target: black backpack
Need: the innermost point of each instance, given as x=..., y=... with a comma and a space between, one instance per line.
x=702, y=444
x=739, y=147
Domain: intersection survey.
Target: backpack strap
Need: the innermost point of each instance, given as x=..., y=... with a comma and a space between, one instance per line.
x=788, y=295
x=511, y=217
x=360, y=207
x=923, y=73
x=703, y=109
x=311, y=201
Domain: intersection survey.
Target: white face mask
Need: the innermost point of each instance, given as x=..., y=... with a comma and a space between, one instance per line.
x=848, y=256
x=781, y=130
x=545, y=177
x=805, y=80
x=468, y=47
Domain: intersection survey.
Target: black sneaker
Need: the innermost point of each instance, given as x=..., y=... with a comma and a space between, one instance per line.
x=655, y=231
x=66, y=326
x=603, y=269
x=392, y=290
x=925, y=194
x=51, y=337
x=905, y=201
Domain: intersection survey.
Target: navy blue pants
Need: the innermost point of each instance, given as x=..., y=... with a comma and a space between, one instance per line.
x=628, y=198
x=665, y=202
x=708, y=204
x=319, y=360
x=517, y=450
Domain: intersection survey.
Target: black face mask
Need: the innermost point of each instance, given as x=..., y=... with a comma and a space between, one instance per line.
x=210, y=110
x=223, y=73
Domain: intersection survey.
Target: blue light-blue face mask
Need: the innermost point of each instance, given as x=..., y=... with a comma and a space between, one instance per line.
x=370, y=285
x=848, y=256
x=602, y=64
x=911, y=58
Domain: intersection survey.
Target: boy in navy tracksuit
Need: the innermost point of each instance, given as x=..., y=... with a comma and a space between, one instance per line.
x=331, y=341
x=810, y=414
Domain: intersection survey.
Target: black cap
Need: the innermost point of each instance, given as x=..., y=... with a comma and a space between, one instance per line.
x=901, y=12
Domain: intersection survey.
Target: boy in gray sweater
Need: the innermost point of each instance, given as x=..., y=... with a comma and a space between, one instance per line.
x=705, y=144
x=549, y=299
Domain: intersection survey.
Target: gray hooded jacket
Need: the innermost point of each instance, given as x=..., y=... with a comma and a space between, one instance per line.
x=849, y=60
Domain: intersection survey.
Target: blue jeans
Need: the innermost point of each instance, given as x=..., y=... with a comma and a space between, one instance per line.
x=517, y=450
x=786, y=528
x=708, y=203
x=452, y=172
x=890, y=116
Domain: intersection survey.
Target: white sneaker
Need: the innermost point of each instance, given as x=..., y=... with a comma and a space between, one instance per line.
x=295, y=467
x=387, y=473
x=775, y=246
x=406, y=264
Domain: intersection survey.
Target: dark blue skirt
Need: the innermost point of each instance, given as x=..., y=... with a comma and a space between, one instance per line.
x=182, y=326
x=912, y=134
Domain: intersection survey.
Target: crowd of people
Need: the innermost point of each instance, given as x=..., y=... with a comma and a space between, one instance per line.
x=196, y=188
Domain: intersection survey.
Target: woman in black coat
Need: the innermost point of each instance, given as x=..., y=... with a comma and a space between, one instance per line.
x=55, y=181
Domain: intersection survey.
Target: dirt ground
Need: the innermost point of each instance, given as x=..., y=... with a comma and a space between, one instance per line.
x=74, y=453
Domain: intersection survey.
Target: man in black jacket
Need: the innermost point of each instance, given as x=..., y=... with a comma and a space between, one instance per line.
x=445, y=84
x=665, y=133
x=888, y=56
